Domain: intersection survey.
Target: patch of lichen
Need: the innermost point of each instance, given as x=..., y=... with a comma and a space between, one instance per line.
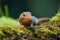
x=46, y=31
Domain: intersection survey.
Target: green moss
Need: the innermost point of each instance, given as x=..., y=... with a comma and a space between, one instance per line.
x=56, y=17
x=6, y=21
x=46, y=31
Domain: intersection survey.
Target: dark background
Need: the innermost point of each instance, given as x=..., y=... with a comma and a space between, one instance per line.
x=38, y=8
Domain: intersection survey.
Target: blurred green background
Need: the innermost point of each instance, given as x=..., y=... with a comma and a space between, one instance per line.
x=38, y=8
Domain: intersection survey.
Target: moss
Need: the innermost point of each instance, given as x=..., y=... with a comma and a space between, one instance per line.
x=46, y=31
x=55, y=18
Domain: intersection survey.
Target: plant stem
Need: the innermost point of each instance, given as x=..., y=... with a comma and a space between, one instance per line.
x=6, y=10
